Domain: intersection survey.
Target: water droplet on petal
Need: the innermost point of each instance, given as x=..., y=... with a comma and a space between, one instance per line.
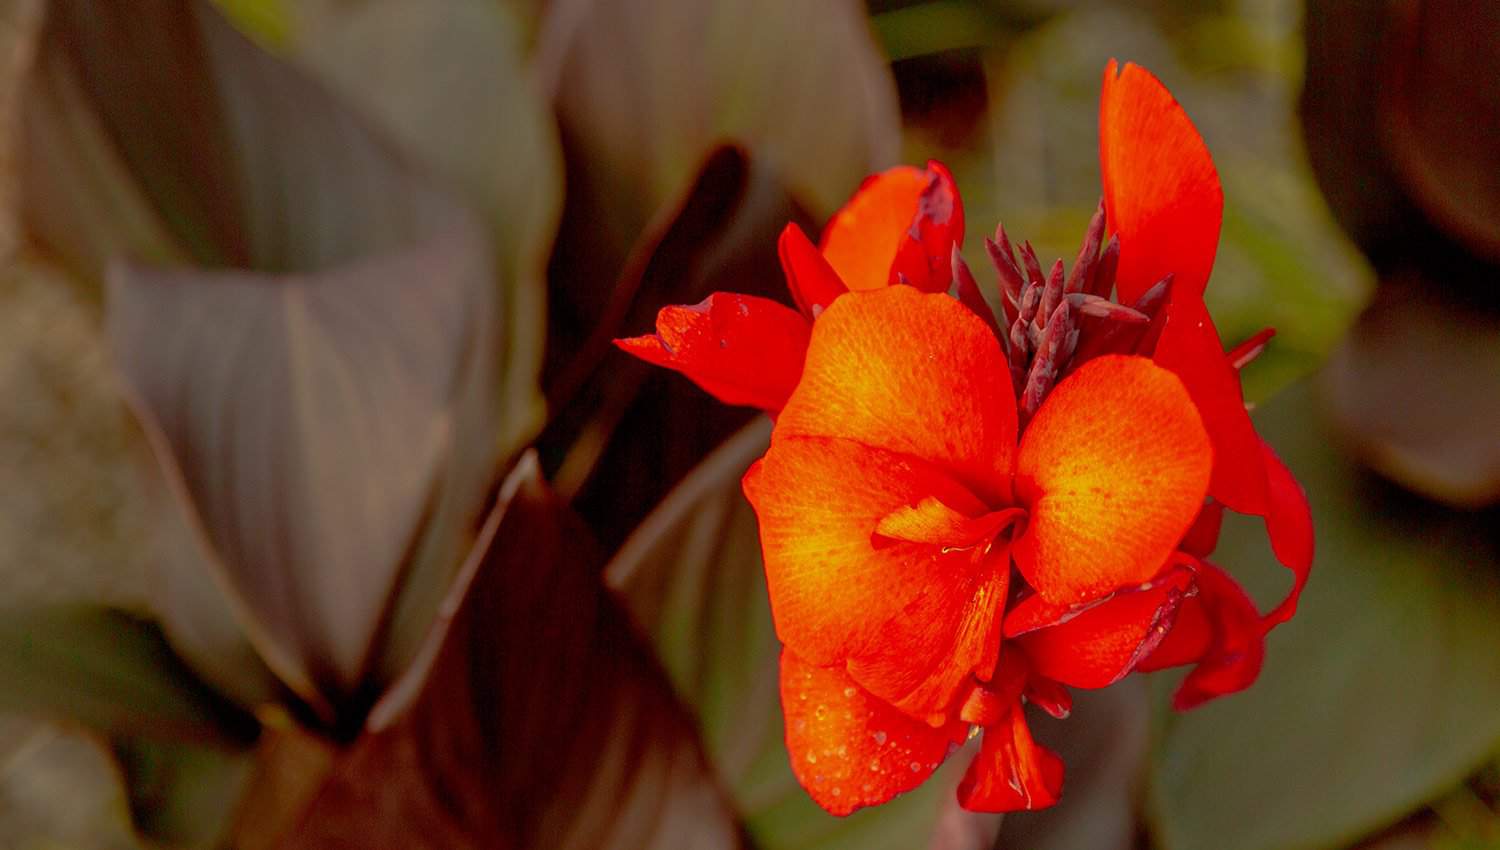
x=880, y=737
x=849, y=692
x=812, y=758
x=915, y=766
x=836, y=791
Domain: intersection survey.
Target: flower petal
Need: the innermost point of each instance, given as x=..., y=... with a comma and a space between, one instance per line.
x=1012, y=771
x=1289, y=524
x=740, y=348
x=1221, y=631
x=1098, y=646
x=813, y=282
x=1161, y=190
x=912, y=373
x=1113, y=470
x=924, y=257
x=861, y=239
x=847, y=748
x=911, y=620
x=1190, y=347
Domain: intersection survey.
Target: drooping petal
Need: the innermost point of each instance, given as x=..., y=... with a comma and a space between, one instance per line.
x=1190, y=347
x=848, y=748
x=861, y=239
x=1012, y=771
x=1098, y=646
x=1203, y=537
x=1219, y=630
x=740, y=348
x=924, y=257
x=1161, y=190
x=813, y=282
x=912, y=621
x=1113, y=470
x=1289, y=525
x=912, y=373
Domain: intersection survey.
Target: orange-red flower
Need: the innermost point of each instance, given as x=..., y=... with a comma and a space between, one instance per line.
x=962, y=512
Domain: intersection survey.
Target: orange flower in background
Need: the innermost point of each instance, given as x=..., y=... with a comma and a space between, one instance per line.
x=962, y=512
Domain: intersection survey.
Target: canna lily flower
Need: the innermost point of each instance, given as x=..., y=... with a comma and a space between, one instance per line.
x=963, y=512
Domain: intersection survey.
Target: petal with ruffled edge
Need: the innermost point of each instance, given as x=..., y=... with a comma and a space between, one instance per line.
x=862, y=238
x=1220, y=631
x=740, y=348
x=1190, y=347
x=812, y=281
x=911, y=373
x=912, y=621
x=848, y=748
x=1113, y=470
x=1289, y=525
x=1012, y=771
x=924, y=257
x=1161, y=190
x=1098, y=645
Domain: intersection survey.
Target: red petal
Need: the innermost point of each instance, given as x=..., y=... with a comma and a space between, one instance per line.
x=1289, y=524
x=924, y=257
x=1190, y=347
x=1161, y=191
x=847, y=748
x=913, y=621
x=740, y=348
x=1220, y=630
x=1098, y=646
x=1203, y=538
x=1012, y=772
x=861, y=239
x=813, y=282
x=1113, y=470
x=915, y=374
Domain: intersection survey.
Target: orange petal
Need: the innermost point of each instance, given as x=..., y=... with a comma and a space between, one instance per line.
x=1190, y=347
x=814, y=283
x=1113, y=470
x=912, y=373
x=924, y=257
x=1221, y=631
x=1098, y=646
x=861, y=239
x=1012, y=772
x=740, y=348
x=911, y=620
x=1161, y=191
x=1289, y=524
x=849, y=749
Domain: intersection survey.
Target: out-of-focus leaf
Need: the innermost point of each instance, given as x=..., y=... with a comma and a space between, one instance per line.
x=692, y=575
x=449, y=83
x=307, y=416
x=1416, y=387
x=109, y=671
x=1442, y=118
x=631, y=431
x=1379, y=695
x=59, y=789
x=644, y=91
x=183, y=796
x=1104, y=743
x=533, y=718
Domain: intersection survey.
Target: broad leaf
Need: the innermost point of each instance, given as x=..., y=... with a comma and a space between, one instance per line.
x=109, y=671
x=692, y=574
x=1378, y=696
x=448, y=82
x=307, y=416
x=533, y=718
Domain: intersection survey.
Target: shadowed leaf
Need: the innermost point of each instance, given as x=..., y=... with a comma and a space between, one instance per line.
x=108, y=671
x=1416, y=388
x=692, y=574
x=1378, y=696
x=533, y=718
